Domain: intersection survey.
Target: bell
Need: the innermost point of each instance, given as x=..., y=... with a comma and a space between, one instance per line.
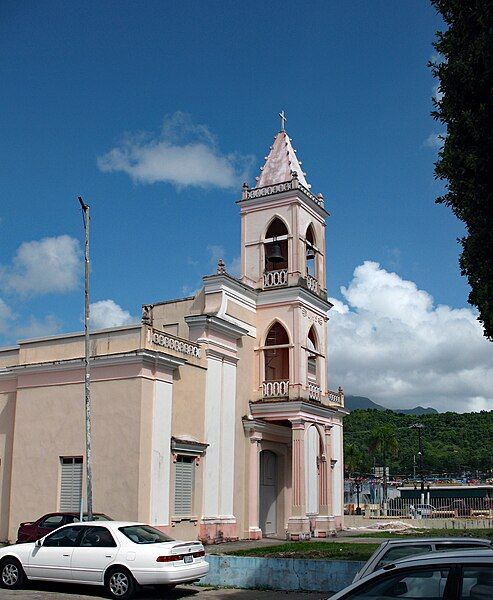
x=310, y=253
x=275, y=255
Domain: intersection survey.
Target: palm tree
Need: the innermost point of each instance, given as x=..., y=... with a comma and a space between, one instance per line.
x=352, y=459
x=384, y=443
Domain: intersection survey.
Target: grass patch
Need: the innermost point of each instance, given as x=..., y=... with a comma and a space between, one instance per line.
x=420, y=533
x=313, y=550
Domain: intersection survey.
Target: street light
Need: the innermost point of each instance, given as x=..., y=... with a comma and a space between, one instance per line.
x=420, y=427
x=357, y=481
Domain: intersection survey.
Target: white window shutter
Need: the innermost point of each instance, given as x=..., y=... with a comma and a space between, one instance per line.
x=71, y=484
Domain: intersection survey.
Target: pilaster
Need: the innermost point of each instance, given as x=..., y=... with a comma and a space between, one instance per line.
x=298, y=523
x=324, y=523
x=254, y=531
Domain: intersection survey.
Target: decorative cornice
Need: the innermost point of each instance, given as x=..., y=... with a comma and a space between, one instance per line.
x=217, y=325
x=216, y=283
x=252, y=426
x=211, y=353
x=191, y=447
x=293, y=294
x=283, y=189
x=294, y=408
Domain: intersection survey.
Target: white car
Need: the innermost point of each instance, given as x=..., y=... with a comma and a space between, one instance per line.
x=119, y=555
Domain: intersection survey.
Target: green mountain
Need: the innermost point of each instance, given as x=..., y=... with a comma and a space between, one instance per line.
x=452, y=442
x=363, y=403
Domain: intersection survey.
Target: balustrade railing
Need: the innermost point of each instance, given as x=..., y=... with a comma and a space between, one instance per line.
x=312, y=283
x=314, y=392
x=275, y=389
x=336, y=397
x=275, y=278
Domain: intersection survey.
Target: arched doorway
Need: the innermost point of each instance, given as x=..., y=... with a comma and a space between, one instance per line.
x=268, y=493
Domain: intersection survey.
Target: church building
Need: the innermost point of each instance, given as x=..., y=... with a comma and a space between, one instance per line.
x=213, y=417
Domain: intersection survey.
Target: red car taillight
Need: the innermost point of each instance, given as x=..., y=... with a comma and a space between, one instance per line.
x=173, y=557
x=170, y=558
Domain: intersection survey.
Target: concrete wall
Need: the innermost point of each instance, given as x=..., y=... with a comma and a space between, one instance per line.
x=280, y=574
x=458, y=524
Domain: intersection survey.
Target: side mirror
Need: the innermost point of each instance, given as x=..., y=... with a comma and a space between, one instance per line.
x=38, y=543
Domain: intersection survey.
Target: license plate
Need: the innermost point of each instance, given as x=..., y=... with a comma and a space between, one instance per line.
x=188, y=558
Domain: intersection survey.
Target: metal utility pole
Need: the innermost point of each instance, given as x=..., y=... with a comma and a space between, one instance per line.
x=87, y=380
x=420, y=427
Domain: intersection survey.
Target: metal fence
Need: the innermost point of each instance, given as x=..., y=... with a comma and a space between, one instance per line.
x=431, y=508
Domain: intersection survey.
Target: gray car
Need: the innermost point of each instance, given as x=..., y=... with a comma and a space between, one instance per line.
x=460, y=575
x=398, y=549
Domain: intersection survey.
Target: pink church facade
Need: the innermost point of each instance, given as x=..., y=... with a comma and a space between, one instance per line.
x=213, y=417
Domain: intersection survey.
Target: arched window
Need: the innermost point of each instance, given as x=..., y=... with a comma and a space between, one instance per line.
x=312, y=355
x=276, y=248
x=310, y=251
x=276, y=357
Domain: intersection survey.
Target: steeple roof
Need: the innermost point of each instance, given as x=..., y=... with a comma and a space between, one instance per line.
x=280, y=163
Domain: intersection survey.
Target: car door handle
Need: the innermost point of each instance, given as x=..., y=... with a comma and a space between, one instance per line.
x=109, y=556
x=65, y=554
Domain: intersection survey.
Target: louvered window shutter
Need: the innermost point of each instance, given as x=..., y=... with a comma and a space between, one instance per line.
x=184, y=475
x=71, y=484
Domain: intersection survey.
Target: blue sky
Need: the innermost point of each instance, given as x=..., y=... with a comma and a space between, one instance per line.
x=80, y=80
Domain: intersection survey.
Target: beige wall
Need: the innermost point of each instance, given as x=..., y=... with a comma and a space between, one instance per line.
x=170, y=316
x=71, y=346
x=50, y=424
x=7, y=417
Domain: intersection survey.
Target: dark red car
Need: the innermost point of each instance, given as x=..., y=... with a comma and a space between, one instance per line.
x=33, y=530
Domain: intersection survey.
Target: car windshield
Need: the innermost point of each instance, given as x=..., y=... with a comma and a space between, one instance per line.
x=144, y=534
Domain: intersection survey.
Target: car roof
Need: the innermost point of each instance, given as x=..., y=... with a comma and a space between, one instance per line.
x=461, y=557
x=111, y=524
x=452, y=556
x=440, y=540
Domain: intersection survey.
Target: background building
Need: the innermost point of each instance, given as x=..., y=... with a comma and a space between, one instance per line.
x=213, y=417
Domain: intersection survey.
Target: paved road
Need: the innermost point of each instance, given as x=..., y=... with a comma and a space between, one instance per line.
x=52, y=591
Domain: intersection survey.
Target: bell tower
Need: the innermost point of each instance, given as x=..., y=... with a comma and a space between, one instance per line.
x=283, y=260
x=283, y=257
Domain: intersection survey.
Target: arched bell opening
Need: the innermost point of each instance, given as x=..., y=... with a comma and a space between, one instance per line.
x=276, y=253
x=313, y=369
x=276, y=362
x=313, y=264
x=310, y=252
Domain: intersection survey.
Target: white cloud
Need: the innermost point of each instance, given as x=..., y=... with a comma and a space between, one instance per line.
x=107, y=313
x=390, y=342
x=52, y=264
x=35, y=327
x=434, y=140
x=437, y=93
x=6, y=316
x=183, y=154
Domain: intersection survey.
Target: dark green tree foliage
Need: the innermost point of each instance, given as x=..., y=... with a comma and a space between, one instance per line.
x=452, y=442
x=466, y=81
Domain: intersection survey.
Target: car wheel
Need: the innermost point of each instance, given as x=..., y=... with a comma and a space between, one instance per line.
x=11, y=574
x=120, y=583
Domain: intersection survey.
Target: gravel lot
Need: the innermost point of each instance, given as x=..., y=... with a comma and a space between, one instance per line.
x=52, y=591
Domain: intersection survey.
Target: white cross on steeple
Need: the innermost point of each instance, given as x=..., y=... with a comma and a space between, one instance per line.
x=283, y=120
